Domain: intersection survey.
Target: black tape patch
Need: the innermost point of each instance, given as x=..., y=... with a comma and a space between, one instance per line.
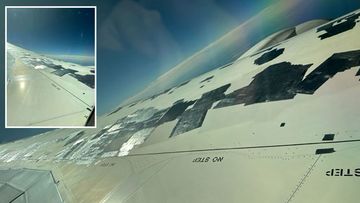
x=116, y=110
x=176, y=110
x=358, y=73
x=76, y=137
x=62, y=72
x=268, y=56
x=342, y=25
x=328, y=137
x=194, y=117
x=277, y=82
x=207, y=79
x=88, y=80
x=325, y=151
x=336, y=63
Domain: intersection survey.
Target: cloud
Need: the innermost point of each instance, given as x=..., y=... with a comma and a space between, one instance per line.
x=131, y=27
x=79, y=59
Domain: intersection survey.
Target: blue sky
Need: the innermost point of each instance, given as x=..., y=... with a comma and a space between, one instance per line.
x=138, y=40
x=54, y=31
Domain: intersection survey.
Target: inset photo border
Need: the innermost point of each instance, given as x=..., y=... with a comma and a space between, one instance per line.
x=50, y=66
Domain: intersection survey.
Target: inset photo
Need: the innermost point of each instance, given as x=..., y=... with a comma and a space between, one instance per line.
x=50, y=67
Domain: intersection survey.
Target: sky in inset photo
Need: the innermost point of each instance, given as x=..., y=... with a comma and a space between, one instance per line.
x=62, y=33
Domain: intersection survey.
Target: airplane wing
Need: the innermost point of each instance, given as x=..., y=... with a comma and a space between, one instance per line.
x=280, y=124
x=42, y=91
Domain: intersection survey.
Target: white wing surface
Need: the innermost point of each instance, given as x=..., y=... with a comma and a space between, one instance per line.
x=42, y=91
x=278, y=125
